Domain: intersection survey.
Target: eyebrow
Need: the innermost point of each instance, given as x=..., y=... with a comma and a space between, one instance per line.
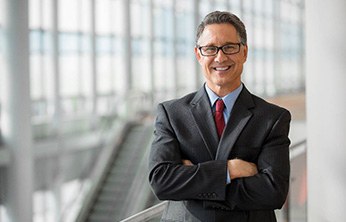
x=227, y=43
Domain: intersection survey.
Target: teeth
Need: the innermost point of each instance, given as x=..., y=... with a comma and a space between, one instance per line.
x=221, y=68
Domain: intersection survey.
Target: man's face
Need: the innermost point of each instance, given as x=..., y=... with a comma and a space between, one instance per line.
x=222, y=72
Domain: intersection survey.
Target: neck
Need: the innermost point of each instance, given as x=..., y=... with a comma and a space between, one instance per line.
x=222, y=91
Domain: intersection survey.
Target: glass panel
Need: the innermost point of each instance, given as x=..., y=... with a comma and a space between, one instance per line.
x=104, y=20
x=185, y=43
x=220, y=5
x=45, y=208
x=274, y=64
x=268, y=7
x=236, y=7
x=35, y=14
x=163, y=49
x=205, y=7
x=41, y=67
x=140, y=18
x=105, y=78
x=69, y=20
x=46, y=14
x=2, y=80
x=69, y=78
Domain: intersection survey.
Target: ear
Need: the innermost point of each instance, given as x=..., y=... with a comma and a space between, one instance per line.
x=245, y=52
x=197, y=54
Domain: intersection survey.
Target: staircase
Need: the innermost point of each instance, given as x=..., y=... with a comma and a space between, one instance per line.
x=124, y=189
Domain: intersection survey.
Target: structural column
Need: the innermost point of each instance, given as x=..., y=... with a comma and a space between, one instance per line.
x=151, y=53
x=127, y=58
x=196, y=22
x=93, y=61
x=17, y=111
x=127, y=45
x=326, y=109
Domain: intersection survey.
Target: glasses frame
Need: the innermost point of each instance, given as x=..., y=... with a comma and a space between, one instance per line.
x=220, y=48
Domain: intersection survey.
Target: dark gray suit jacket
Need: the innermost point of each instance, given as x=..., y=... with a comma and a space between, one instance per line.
x=257, y=131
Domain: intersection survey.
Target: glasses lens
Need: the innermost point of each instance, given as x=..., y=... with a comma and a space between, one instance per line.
x=230, y=49
x=208, y=50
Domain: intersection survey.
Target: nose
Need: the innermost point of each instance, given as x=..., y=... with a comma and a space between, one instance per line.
x=220, y=57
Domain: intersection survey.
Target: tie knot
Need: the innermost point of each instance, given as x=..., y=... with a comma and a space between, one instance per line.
x=219, y=105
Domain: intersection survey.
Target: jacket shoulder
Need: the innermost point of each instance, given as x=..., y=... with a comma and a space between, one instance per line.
x=185, y=100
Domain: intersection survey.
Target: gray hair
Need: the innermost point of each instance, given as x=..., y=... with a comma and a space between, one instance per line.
x=218, y=17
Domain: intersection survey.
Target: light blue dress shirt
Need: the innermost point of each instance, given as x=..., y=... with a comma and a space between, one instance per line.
x=229, y=101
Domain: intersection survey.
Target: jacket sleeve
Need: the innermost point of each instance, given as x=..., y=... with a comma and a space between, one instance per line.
x=268, y=189
x=170, y=179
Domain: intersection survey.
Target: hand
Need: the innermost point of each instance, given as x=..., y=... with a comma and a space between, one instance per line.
x=239, y=168
x=187, y=163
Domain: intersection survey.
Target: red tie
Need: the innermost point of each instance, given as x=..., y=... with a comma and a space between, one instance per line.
x=219, y=120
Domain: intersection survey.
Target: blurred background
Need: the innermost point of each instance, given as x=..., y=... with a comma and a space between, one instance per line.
x=79, y=84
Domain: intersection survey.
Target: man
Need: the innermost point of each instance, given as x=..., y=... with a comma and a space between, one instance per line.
x=242, y=174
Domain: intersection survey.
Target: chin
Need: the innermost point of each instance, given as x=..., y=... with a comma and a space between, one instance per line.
x=220, y=81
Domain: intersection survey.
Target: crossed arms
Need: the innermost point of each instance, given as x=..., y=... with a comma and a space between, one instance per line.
x=237, y=168
x=256, y=185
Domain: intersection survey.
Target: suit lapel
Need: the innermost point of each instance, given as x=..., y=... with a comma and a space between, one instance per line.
x=203, y=116
x=239, y=117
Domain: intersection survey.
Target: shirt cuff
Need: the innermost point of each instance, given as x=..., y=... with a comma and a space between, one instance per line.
x=228, y=177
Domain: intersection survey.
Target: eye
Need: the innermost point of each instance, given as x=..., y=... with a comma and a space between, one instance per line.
x=209, y=49
x=230, y=48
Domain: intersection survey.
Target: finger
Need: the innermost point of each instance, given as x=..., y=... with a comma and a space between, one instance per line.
x=187, y=162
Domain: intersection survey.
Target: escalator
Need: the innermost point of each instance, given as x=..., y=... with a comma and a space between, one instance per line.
x=124, y=189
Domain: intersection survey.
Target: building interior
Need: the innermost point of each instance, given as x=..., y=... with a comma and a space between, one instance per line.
x=80, y=81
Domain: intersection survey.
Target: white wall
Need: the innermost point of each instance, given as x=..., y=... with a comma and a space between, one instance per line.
x=326, y=109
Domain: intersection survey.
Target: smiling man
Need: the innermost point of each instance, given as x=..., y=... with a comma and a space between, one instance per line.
x=221, y=54
x=221, y=153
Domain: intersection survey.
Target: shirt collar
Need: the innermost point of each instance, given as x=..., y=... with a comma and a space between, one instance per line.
x=228, y=99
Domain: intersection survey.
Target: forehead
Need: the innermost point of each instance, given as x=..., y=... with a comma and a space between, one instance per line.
x=218, y=34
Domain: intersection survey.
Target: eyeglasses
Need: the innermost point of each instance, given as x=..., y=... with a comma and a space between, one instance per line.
x=228, y=49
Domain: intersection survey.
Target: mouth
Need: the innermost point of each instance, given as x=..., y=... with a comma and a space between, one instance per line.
x=222, y=69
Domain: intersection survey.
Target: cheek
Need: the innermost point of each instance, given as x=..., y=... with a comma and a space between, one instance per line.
x=205, y=63
x=202, y=63
x=207, y=69
x=239, y=62
x=242, y=59
x=200, y=60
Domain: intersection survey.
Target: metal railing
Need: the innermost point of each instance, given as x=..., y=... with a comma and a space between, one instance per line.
x=148, y=214
x=156, y=211
x=297, y=159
